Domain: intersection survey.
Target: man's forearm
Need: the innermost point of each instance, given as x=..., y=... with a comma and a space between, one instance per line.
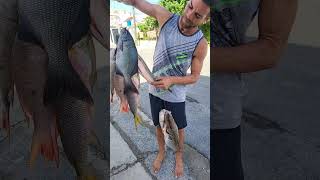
x=145, y=7
x=275, y=21
x=251, y=57
x=184, y=80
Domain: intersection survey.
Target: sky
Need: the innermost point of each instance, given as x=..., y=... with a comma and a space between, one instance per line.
x=120, y=6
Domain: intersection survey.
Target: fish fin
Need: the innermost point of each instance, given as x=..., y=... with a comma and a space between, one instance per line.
x=129, y=86
x=124, y=107
x=68, y=82
x=137, y=120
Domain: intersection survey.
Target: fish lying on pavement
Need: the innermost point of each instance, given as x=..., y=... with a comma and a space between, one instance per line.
x=127, y=67
x=169, y=128
x=51, y=23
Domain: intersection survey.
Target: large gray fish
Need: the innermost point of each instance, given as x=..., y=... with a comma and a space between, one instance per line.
x=51, y=23
x=127, y=59
x=169, y=128
x=127, y=67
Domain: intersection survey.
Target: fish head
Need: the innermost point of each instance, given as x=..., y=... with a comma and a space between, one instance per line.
x=125, y=39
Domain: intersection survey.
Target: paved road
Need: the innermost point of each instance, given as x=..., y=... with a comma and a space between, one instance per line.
x=281, y=137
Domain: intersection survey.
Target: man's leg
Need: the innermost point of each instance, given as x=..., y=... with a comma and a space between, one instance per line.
x=161, y=154
x=178, y=111
x=156, y=105
x=179, y=155
x=226, y=160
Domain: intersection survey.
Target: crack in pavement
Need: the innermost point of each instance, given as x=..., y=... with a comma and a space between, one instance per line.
x=263, y=123
x=260, y=122
x=140, y=158
x=115, y=170
x=133, y=148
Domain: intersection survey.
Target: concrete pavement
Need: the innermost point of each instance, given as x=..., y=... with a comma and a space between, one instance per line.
x=281, y=137
x=124, y=164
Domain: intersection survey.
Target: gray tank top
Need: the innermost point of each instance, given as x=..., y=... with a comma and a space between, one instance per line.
x=229, y=23
x=172, y=57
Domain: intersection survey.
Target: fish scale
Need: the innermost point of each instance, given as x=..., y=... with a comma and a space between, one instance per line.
x=51, y=23
x=73, y=116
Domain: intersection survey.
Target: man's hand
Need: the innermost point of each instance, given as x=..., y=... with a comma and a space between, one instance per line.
x=163, y=82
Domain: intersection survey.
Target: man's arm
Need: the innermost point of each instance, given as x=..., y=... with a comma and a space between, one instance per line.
x=276, y=19
x=99, y=22
x=154, y=10
x=196, y=66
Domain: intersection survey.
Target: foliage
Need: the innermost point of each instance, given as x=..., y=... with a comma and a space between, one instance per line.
x=174, y=6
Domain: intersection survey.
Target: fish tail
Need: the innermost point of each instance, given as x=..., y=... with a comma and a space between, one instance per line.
x=137, y=120
x=129, y=86
x=63, y=79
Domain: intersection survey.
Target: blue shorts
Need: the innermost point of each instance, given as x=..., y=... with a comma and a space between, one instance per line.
x=178, y=111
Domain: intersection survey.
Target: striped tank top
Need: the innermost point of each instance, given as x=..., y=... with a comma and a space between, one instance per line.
x=173, y=56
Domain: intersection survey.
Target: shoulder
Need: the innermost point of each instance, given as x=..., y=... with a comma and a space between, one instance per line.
x=201, y=49
x=165, y=18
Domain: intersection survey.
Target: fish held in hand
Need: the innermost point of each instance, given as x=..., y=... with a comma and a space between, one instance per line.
x=51, y=23
x=127, y=60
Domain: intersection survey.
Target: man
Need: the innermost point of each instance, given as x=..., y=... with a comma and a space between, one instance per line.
x=233, y=56
x=180, y=45
x=29, y=72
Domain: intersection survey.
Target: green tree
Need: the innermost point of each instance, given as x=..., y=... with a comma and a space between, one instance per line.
x=174, y=6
